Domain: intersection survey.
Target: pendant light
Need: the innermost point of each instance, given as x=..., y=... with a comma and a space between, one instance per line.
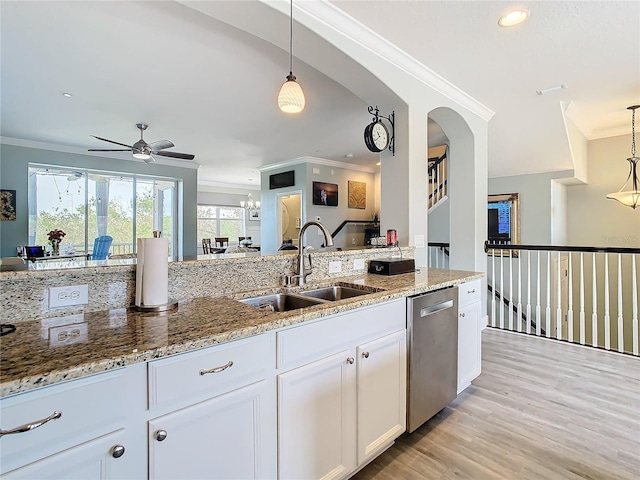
x=631, y=197
x=291, y=97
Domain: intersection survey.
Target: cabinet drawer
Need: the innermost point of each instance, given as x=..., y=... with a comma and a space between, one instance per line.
x=312, y=341
x=187, y=378
x=469, y=292
x=90, y=407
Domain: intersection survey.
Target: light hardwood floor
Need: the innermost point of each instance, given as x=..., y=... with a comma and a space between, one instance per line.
x=540, y=410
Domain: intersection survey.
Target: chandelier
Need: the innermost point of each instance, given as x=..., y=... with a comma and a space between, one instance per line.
x=249, y=203
x=630, y=197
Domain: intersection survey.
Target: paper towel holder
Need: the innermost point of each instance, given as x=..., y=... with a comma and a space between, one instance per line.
x=165, y=307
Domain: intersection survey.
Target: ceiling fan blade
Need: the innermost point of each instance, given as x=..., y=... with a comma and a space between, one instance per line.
x=111, y=141
x=104, y=150
x=183, y=156
x=161, y=145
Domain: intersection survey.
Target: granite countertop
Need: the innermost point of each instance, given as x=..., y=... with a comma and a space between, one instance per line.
x=115, y=338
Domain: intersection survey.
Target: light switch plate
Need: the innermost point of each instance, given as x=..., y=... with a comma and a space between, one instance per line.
x=419, y=241
x=316, y=171
x=335, y=267
x=68, y=296
x=358, y=264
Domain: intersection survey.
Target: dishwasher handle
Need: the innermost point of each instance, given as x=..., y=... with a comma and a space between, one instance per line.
x=431, y=309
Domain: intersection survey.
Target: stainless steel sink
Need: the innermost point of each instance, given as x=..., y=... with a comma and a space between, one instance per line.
x=281, y=302
x=334, y=293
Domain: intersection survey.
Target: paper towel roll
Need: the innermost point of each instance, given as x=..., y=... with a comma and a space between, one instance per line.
x=152, y=272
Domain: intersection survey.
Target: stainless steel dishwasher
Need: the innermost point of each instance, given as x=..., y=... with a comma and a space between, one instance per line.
x=432, y=349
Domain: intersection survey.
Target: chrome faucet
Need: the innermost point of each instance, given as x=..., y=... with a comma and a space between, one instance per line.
x=301, y=272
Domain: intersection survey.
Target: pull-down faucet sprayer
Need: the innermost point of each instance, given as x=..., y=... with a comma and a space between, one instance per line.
x=301, y=272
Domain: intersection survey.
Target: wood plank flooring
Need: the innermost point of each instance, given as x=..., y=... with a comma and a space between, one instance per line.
x=540, y=410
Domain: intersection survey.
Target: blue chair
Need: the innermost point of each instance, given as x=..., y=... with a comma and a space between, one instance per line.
x=101, y=247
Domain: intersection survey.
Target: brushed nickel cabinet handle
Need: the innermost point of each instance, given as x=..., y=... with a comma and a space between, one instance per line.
x=471, y=291
x=350, y=360
x=117, y=451
x=462, y=315
x=365, y=354
x=30, y=426
x=217, y=369
x=160, y=435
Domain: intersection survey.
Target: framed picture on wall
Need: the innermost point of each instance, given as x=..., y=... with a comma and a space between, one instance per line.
x=325, y=194
x=357, y=195
x=7, y=204
x=254, y=214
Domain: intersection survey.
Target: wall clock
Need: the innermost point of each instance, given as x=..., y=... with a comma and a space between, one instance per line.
x=376, y=136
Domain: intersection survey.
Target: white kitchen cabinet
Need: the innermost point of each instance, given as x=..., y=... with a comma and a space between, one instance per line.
x=221, y=438
x=382, y=385
x=218, y=418
x=347, y=401
x=469, y=333
x=89, y=439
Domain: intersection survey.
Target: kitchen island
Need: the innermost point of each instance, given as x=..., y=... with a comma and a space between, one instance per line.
x=217, y=388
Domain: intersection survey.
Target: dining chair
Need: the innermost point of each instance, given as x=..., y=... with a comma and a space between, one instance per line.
x=206, y=245
x=101, y=246
x=240, y=239
x=221, y=241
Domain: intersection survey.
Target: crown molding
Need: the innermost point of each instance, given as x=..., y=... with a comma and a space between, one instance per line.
x=317, y=161
x=19, y=142
x=334, y=18
x=238, y=186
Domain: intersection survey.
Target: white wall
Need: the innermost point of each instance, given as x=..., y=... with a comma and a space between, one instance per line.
x=593, y=219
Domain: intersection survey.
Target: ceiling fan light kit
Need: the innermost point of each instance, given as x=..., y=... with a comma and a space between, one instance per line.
x=143, y=150
x=630, y=198
x=291, y=97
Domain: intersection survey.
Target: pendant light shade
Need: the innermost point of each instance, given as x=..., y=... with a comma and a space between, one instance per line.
x=291, y=97
x=630, y=197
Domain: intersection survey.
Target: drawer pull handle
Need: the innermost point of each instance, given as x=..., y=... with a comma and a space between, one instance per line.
x=365, y=354
x=471, y=291
x=30, y=426
x=117, y=451
x=160, y=435
x=462, y=315
x=217, y=369
x=350, y=360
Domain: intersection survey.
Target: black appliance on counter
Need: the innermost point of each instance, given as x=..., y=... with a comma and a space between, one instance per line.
x=392, y=266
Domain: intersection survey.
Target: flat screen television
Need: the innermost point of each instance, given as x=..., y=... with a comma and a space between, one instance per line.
x=280, y=180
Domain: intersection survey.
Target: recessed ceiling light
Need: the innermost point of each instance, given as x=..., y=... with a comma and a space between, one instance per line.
x=68, y=95
x=513, y=18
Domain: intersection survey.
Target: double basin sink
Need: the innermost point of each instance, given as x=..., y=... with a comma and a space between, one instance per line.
x=284, y=302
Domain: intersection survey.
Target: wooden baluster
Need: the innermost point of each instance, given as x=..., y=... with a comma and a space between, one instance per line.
x=607, y=318
x=634, y=303
x=519, y=304
x=594, y=299
x=582, y=315
x=529, y=291
x=620, y=312
x=501, y=289
x=570, y=308
x=548, y=309
x=538, y=308
x=493, y=292
x=559, y=301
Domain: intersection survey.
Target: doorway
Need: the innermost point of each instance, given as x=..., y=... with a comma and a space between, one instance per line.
x=289, y=217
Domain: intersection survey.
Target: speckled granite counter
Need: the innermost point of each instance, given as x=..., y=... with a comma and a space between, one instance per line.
x=120, y=337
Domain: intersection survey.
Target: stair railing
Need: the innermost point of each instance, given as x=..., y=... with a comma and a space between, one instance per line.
x=437, y=172
x=566, y=292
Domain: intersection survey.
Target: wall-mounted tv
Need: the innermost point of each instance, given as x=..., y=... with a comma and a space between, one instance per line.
x=280, y=180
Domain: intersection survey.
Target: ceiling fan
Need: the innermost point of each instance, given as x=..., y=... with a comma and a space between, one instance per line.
x=143, y=150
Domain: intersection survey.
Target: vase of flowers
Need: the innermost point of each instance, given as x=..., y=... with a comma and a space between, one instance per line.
x=55, y=237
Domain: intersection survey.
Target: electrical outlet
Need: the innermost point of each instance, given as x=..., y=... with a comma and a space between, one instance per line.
x=419, y=241
x=335, y=267
x=316, y=171
x=358, y=264
x=68, y=334
x=68, y=296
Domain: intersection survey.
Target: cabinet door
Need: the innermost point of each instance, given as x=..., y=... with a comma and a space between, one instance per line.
x=317, y=418
x=93, y=460
x=382, y=381
x=228, y=437
x=469, y=344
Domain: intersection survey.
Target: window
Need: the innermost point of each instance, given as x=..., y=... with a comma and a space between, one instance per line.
x=220, y=221
x=503, y=223
x=86, y=204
